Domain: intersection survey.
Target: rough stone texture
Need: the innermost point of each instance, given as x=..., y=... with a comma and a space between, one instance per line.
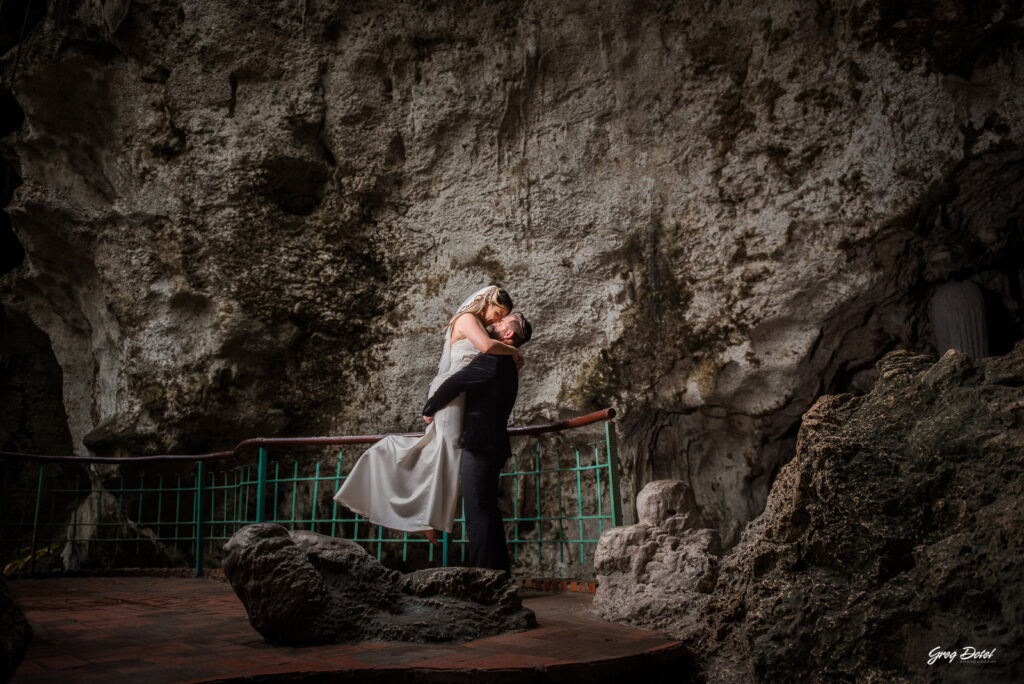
x=254, y=218
x=306, y=588
x=662, y=499
x=894, y=531
x=15, y=633
x=661, y=571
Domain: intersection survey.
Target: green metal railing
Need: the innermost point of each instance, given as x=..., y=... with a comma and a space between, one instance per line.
x=62, y=513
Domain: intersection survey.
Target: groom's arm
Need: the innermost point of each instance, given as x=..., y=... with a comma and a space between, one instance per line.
x=482, y=369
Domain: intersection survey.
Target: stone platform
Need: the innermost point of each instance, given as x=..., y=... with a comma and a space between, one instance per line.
x=180, y=629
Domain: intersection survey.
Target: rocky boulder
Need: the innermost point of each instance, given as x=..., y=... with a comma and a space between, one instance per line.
x=889, y=549
x=306, y=588
x=892, y=536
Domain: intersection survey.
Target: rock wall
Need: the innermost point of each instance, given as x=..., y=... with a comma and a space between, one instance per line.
x=255, y=218
x=891, y=537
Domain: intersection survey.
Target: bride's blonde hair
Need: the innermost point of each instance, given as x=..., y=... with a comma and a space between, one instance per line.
x=478, y=305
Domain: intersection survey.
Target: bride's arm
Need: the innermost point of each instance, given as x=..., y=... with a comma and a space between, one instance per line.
x=469, y=325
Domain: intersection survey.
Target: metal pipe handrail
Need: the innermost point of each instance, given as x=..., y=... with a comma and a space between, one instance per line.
x=578, y=421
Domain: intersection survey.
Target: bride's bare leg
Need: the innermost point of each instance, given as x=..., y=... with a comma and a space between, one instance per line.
x=432, y=537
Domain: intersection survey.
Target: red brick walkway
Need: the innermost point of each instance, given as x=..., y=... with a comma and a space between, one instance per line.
x=177, y=629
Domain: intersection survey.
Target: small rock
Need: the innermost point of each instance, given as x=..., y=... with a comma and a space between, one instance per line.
x=662, y=499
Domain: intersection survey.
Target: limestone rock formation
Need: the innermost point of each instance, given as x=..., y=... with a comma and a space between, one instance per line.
x=895, y=532
x=15, y=633
x=255, y=218
x=661, y=571
x=306, y=588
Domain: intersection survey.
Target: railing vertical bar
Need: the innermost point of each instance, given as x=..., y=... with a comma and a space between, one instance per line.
x=224, y=519
x=53, y=506
x=277, y=479
x=74, y=517
x=159, y=504
x=579, y=498
x=597, y=472
x=199, y=518
x=122, y=517
x=515, y=509
x=334, y=507
x=261, y=486
x=316, y=490
x=35, y=520
x=540, y=535
x=213, y=498
x=561, y=513
x=464, y=539
x=142, y=487
x=138, y=512
x=444, y=549
x=242, y=488
x=295, y=492
x=177, y=509
x=612, y=441
x=99, y=505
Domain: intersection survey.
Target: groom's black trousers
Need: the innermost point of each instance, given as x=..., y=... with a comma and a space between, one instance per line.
x=480, y=475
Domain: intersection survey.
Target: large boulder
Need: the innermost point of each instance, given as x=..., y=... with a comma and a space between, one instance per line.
x=893, y=536
x=301, y=587
x=15, y=633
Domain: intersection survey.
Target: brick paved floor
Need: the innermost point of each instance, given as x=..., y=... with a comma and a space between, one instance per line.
x=179, y=629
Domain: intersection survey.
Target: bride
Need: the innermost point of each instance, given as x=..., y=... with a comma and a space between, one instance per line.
x=412, y=483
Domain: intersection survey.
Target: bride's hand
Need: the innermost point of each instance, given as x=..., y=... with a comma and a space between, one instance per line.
x=519, y=361
x=428, y=419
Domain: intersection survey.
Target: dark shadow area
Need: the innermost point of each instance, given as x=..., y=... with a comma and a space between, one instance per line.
x=17, y=18
x=1004, y=329
x=33, y=421
x=296, y=186
x=31, y=389
x=11, y=119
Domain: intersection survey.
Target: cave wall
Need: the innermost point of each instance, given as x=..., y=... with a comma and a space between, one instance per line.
x=255, y=218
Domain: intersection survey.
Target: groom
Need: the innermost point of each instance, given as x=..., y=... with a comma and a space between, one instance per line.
x=491, y=384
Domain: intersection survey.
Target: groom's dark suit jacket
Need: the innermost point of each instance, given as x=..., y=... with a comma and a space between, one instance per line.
x=491, y=384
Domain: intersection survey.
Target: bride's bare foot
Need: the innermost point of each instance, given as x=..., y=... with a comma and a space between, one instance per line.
x=432, y=538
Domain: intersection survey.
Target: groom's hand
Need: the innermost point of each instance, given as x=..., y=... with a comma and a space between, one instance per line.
x=428, y=419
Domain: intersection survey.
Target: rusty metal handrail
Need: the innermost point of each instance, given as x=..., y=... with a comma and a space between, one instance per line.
x=578, y=421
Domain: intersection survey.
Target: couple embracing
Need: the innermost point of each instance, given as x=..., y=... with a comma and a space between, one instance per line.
x=412, y=483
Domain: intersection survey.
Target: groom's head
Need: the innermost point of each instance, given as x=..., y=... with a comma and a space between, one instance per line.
x=513, y=329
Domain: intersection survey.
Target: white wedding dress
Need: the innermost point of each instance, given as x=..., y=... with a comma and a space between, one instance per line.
x=412, y=483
